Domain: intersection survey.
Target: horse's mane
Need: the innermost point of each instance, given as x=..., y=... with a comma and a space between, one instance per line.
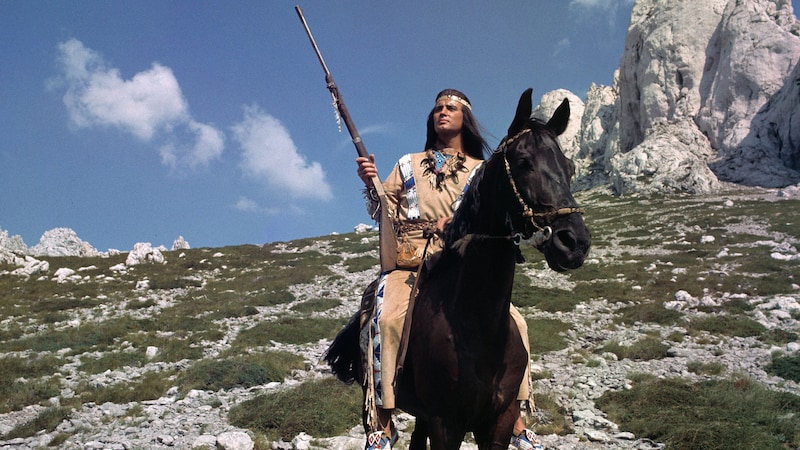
x=459, y=226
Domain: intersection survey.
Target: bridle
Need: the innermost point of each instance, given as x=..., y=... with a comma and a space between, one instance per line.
x=542, y=233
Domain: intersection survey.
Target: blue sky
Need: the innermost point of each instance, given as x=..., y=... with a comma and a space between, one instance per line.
x=133, y=121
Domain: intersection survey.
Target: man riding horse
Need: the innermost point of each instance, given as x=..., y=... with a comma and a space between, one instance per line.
x=423, y=190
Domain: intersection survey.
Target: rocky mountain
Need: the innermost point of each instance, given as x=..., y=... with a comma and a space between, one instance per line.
x=706, y=93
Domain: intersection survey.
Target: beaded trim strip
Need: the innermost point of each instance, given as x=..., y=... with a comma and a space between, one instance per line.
x=456, y=98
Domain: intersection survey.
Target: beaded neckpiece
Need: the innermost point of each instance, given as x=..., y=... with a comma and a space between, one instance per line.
x=439, y=166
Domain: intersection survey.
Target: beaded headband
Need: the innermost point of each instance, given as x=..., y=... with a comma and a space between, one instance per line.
x=457, y=99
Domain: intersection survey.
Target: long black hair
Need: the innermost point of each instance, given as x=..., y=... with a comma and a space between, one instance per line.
x=474, y=144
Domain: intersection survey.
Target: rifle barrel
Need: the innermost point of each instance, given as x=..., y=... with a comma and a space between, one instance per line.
x=313, y=42
x=388, y=240
x=337, y=97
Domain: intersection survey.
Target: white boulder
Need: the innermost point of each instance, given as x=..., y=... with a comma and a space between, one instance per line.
x=180, y=244
x=144, y=252
x=62, y=242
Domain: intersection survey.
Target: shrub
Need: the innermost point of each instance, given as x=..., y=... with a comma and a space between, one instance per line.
x=716, y=414
x=701, y=368
x=321, y=408
x=545, y=335
x=727, y=325
x=787, y=367
x=48, y=419
x=224, y=374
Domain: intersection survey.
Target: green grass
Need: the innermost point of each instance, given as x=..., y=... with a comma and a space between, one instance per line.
x=316, y=305
x=240, y=371
x=320, y=408
x=290, y=330
x=48, y=419
x=787, y=367
x=149, y=386
x=112, y=361
x=15, y=394
x=551, y=417
x=644, y=250
x=706, y=368
x=718, y=414
x=727, y=325
x=361, y=263
x=650, y=312
x=546, y=335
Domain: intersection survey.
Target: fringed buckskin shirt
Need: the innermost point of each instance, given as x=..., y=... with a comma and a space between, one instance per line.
x=435, y=200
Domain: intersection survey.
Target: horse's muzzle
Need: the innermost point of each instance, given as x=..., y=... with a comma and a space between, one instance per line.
x=569, y=245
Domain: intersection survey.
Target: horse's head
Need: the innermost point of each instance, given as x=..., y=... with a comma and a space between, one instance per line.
x=539, y=174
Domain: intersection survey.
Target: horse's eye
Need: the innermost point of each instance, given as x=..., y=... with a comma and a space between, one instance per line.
x=525, y=164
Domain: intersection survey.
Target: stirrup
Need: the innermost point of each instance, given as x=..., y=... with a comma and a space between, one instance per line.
x=378, y=441
x=526, y=440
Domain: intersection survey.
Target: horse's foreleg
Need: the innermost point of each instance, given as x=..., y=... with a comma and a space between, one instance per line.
x=419, y=438
x=444, y=437
x=499, y=436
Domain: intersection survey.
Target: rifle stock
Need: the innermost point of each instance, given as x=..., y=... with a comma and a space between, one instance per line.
x=388, y=240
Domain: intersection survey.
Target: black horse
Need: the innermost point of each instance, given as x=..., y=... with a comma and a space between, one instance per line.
x=465, y=357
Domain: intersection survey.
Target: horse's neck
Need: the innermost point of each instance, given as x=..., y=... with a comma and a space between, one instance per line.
x=483, y=289
x=490, y=217
x=484, y=257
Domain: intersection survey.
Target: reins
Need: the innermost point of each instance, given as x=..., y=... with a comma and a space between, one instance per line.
x=543, y=233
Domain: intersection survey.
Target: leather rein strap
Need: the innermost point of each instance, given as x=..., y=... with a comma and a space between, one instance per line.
x=527, y=211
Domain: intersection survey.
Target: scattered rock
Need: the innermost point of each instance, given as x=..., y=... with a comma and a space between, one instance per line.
x=180, y=244
x=235, y=440
x=62, y=242
x=143, y=252
x=13, y=244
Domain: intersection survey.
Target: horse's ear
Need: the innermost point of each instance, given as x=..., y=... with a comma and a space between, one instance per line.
x=523, y=113
x=558, y=123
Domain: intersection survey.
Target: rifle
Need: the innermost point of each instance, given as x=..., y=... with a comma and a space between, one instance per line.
x=388, y=240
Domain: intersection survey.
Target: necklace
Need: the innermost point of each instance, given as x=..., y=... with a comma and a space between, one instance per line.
x=439, y=166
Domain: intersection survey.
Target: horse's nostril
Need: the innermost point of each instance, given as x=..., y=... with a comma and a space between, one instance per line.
x=567, y=239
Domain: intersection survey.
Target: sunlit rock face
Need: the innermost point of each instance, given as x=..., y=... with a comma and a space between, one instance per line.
x=706, y=92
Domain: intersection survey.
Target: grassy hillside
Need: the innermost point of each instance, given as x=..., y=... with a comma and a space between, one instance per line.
x=233, y=318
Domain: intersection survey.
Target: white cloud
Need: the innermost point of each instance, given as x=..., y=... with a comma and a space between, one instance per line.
x=269, y=155
x=377, y=129
x=561, y=45
x=590, y=9
x=149, y=104
x=247, y=205
x=208, y=145
x=602, y=4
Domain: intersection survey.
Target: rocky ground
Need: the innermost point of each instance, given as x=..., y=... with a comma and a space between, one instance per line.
x=200, y=419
